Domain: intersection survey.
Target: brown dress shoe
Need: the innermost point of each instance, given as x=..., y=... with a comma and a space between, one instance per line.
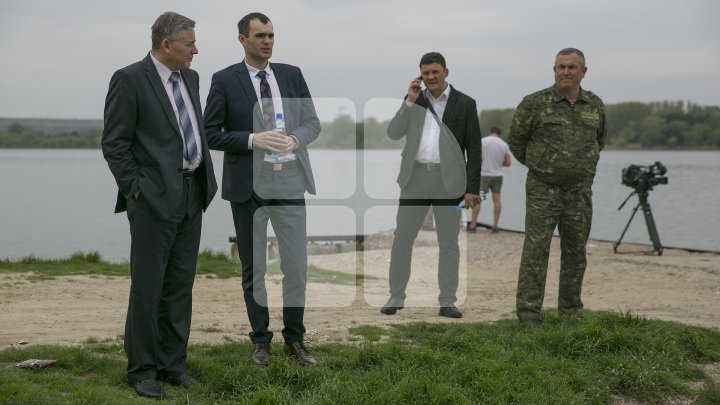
x=149, y=389
x=261, y=355
x=298, y=350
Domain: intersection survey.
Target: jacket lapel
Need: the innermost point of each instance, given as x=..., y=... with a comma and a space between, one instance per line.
x=157, y=86
x=194, y=95
x=249, y=90
x=245, y=83
x=192, y=89
x=452, y=100
x=282, y=81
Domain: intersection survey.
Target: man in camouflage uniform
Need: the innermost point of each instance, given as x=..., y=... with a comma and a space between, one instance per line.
x=558, y=134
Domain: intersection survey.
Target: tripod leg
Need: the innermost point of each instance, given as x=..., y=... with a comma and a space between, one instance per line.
x=617, y=242
x=652, y=230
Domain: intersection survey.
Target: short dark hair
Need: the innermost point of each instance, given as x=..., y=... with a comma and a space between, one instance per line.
x=168, y=26
x=244, y=23
x=433, y=57
x=495, y=130
x=570, y=51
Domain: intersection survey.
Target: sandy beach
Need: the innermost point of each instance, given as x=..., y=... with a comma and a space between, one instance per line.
x=677, y=286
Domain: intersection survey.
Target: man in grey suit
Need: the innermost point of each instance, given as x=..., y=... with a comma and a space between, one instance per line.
x=262, y=116
x=440, y=126
x=155, y=146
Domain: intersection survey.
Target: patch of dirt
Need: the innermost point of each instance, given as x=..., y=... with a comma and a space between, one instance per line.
x=677, y=286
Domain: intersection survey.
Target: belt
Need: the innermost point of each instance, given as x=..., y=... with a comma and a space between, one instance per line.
x=188, y=174
x=276, y=167
x=430, y=167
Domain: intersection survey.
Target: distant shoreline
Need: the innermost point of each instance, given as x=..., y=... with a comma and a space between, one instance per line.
x=663, y=125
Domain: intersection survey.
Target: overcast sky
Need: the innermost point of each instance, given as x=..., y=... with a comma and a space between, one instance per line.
x=58, y=56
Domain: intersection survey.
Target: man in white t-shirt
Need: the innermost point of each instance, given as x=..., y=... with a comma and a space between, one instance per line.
x=495, y=155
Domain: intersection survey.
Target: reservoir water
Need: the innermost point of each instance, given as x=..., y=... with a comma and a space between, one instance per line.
x=57, y=201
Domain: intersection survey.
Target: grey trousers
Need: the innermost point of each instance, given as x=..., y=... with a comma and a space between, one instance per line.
x=425, y=189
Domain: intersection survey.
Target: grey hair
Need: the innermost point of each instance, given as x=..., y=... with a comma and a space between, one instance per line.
x=570, y=51
x=169, y=26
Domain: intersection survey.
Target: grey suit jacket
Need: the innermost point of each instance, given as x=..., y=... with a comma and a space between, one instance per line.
x=142, y=142
x=460, y=123
x=233, y=112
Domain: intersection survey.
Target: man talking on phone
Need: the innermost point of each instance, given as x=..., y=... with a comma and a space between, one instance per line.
x=440, y=126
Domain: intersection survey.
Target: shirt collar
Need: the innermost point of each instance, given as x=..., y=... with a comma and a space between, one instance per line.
x=558, y=96
x=162, y=70
x=253, y=71
x=442, y=97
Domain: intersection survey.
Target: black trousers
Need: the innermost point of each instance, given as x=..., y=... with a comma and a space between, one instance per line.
x=279, y=199
x=425, y=189
x=163, y=258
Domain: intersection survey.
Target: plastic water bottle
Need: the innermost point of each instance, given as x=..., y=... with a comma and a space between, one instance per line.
x=461, y=204
x=279, y=123
x=278, y=127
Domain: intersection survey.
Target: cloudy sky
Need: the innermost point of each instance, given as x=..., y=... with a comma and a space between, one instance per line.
x=58, y=56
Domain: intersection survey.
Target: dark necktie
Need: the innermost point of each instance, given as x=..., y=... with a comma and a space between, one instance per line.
x=268, y=110
x=190, y=151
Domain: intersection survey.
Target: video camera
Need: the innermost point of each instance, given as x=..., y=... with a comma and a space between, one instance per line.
x=644, y=178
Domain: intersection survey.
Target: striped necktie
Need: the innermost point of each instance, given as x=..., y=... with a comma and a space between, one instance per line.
x=266, y=101
x=190, y=151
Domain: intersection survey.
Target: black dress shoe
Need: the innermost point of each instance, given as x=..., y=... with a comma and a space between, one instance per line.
x=392, y=306
x=298, y=350
x=148, y=388
x=183, y=380
x=261, y=355
x=450, y=312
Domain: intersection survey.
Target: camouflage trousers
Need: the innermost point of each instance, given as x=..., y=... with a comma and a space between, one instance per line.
x=548, y=206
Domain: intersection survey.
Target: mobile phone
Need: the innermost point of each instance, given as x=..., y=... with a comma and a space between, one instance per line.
x=420, y=82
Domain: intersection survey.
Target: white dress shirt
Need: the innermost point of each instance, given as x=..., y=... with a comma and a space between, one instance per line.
x=277, y=104
x=164, y=73
x=429, y=149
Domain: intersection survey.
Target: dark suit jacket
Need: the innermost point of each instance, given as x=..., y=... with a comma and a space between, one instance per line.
x=142, y=142
x=460, y=121
x=233, y=112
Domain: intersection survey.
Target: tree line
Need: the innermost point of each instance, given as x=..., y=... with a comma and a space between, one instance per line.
x=664, y=124
x=636, y=125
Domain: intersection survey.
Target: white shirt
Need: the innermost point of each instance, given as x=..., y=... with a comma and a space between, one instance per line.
x=277, y=104
x=164, y=73
x=429, y=149
x=494, y=150
x=272, y=81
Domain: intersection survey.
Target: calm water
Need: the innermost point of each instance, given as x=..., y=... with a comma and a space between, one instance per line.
x=56, y=202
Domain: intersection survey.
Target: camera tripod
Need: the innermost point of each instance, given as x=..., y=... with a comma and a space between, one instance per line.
x=649, y=221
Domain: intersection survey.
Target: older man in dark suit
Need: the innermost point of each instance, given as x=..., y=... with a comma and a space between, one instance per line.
x=155, y=146
x=440, y=126
x=261, y=115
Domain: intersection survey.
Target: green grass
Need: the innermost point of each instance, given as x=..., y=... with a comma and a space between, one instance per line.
x=567, y=361
x=78, y=264
x=369, y=332
x=211, y=264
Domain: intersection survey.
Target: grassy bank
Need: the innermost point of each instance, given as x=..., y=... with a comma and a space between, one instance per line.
x=212, y=264
x=590, y=361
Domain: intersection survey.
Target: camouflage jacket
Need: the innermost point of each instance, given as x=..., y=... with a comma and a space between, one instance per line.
x=559, y=142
